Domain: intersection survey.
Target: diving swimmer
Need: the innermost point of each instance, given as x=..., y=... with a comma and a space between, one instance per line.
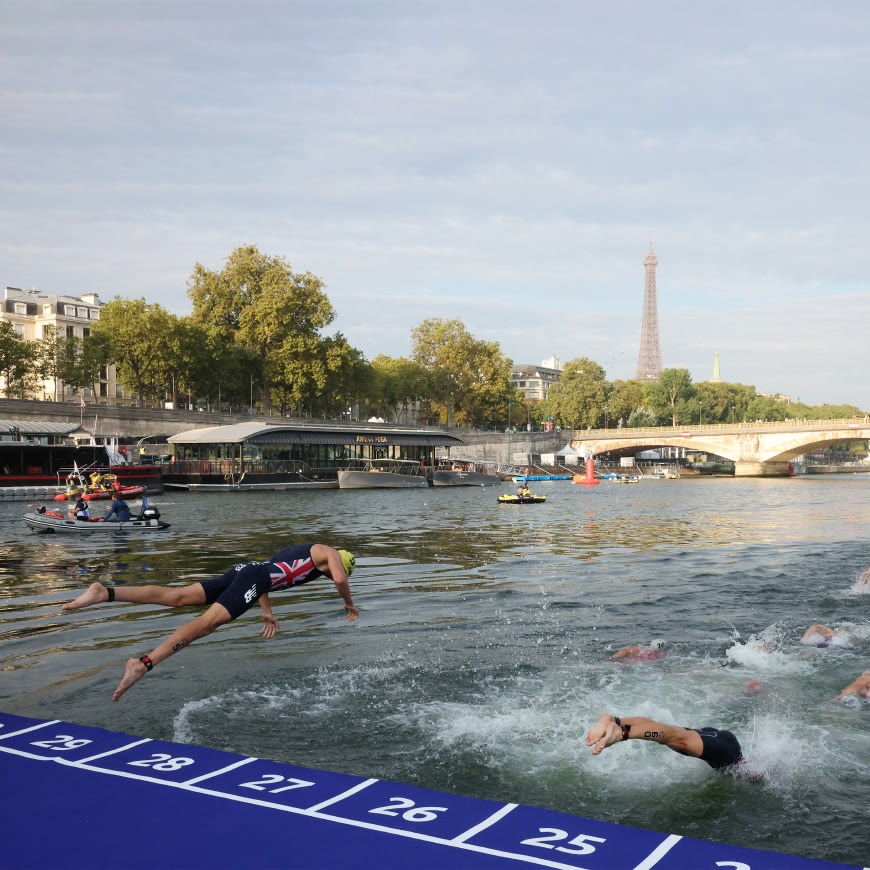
x=719, y=748
x=229, y=595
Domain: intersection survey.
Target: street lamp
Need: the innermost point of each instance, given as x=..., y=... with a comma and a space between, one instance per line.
x=700, y=416
x=605, y=417
x=509, y=432
x=253, y=381
x=733, y=415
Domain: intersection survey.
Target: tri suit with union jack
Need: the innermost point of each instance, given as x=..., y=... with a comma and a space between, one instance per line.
x=243, y=584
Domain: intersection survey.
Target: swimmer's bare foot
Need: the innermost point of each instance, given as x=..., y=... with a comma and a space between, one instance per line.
x=134, y=672
x=95, y=594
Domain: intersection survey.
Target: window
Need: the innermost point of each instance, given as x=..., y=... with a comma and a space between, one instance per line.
x=70, y=332
x=104, y=373
x=522, y=383
x=69, y=310
x=95, y=314
x=119, y=391
x=83, y=312
x=19, y=329
x=20, y=308
x=86, y=331
x=46, y=311
x=104, y=390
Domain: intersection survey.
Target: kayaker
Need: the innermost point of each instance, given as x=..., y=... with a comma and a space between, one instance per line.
x=229, y=595
x=119, y=512
x=719, y=748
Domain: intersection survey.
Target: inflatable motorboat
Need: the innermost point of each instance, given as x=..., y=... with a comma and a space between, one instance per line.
x=52, y=521
x=521, y=499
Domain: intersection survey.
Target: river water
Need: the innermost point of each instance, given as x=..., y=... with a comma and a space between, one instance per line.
x=479, y=659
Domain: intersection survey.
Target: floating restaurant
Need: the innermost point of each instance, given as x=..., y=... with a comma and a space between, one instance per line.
x=293, y=456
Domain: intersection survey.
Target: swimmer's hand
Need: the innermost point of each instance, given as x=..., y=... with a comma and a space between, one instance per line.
x=351, y=611
x=270, y=626
x=604, y=733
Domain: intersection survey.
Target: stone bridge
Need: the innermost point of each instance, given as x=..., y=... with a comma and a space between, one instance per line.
x=757, y=449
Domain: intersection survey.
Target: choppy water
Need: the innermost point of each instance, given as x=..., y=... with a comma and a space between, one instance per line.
x=479, y=659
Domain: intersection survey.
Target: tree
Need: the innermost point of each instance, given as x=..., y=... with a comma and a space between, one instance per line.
x=394, y=384
x=16, y=361
x=135, y=334
x=578, y=398
x=723, y=402
x=468, y=379
x=83, y=359
x=672, y=387
x=624, y=398
x=258, y=302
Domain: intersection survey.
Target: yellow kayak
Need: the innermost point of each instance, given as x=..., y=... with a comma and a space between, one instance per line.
x=521, y=499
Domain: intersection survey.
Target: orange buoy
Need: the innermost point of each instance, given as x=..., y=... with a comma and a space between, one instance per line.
x=590, y=479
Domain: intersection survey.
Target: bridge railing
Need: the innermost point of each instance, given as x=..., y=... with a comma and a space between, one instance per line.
x=675, y=431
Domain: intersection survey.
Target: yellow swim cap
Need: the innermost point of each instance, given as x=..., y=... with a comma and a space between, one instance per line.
x=348, y=561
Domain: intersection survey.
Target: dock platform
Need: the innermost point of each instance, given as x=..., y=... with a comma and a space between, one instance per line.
x=82, y=797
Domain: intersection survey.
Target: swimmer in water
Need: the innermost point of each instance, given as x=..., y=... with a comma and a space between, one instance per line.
x=229, y=596
x=829, y=637
x=861, y=688
x=631, y=654
x=720, y=749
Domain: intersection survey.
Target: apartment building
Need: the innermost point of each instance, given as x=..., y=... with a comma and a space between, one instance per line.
x=30, y=311
x=536, y=380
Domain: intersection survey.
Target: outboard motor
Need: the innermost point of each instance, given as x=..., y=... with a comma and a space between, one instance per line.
x=151, y=513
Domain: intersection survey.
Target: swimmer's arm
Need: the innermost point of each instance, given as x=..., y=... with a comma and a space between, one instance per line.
x=625, y=651
x=339, y=577
x=863, y=682
x=606, y=732
x=270, y=623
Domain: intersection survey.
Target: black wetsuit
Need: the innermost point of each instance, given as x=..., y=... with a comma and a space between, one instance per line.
x=721, y=748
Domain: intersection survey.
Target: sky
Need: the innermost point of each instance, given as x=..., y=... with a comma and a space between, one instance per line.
x=500, y=162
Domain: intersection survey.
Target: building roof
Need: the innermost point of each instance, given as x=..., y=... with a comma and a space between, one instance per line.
x=258, y=433
x=39, y=427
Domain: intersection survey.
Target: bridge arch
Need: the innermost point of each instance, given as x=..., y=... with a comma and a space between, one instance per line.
x=755, y=449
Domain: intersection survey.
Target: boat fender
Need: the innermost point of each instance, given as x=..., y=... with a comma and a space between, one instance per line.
x=52, y=514
x=122, y=448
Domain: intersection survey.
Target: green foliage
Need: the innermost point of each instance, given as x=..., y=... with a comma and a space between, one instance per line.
x=16, y=362
x=624, y=398
x=468, y=379
x=395, y=384
x=642, y=418
x=136, y=336
x=578, y=399
x=257, y=301
x=669, y=395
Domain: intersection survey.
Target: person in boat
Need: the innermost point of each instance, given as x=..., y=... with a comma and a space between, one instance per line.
x=860, y=687
x=79, y=510
x=96, y=479
x=719, y=748
x=523, y=491
x=119, y=512
x=637, y=653
x=229, y=596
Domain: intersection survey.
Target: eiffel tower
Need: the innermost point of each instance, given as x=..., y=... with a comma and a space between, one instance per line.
x=649, y=360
